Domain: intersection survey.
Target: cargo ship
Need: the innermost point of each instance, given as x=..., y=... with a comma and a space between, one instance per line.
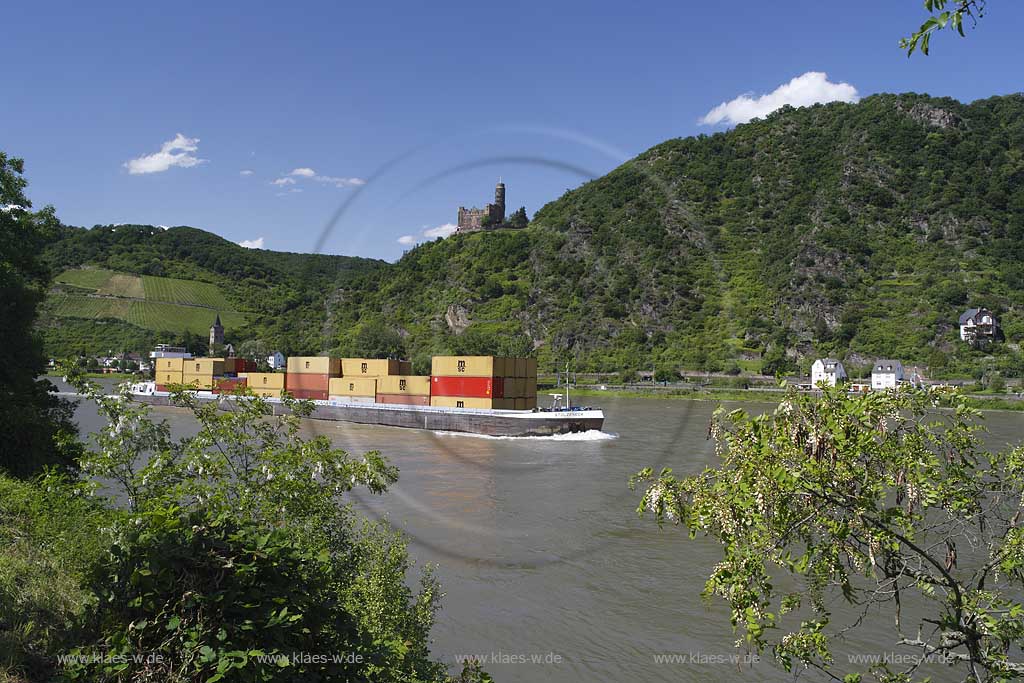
x=484, y=395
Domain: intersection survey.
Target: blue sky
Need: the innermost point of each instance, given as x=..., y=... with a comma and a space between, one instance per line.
x=411, y=109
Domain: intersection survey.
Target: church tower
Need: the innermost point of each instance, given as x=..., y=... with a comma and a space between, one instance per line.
x=216, y=335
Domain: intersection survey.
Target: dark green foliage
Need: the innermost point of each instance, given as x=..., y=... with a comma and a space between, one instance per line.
x=518, y=218
x=213, y=597
x=51, y=534
x=35, y=425
x=373, y=339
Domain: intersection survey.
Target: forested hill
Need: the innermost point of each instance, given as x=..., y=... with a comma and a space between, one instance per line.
x=857, y=230
x=284, y=295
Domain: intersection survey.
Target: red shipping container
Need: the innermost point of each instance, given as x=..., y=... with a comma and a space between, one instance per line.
x=404, y=399
x=161, y=387
x=309, y=394
x=227, y=385
x=471, y=387
x=302, y=381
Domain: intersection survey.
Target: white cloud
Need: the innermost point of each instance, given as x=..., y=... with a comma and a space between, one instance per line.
x=176, y=152
x=407, y=240
x=440, y=231
x=308, y=173
x=246, y=171
x=810, y=88
x=252, y=244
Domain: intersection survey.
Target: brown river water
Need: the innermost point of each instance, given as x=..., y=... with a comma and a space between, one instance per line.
x=548, y=573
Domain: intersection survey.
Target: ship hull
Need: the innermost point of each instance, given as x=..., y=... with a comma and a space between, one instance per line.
x=485, y=422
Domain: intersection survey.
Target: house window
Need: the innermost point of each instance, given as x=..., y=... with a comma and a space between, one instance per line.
x=401, y=385
x=462, y=366
x=364, y=368
x=460, y=404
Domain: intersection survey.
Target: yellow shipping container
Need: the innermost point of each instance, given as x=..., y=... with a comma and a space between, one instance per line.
x=411, y=385
x=168, y=377
x=197, y=380
x=264, y=380
x=315, y=365
x=520, y=404
x=531, y=368
x=466, y=366
x=370, y=367
x=504, y=404
x=352, y=386
x=520, y=368
x=405, y=367
x=169, y=364
x=531, y=403
x=458, y=402
x=204, y=366
x=268, y=393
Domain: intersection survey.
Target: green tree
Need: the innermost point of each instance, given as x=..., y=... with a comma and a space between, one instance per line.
x=374, y=339
x=36, y=425
x=518, y=218
x=870, y=500
x=952, y=18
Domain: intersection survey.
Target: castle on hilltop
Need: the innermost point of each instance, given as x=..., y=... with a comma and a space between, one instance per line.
x=492, y=216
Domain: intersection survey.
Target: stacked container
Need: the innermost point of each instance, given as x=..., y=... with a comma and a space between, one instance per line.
x=199, y=372
x=483, y=382
x=309, y=377
x=168, y=371
x=267, y=384
x=468, y=381
x=353, y=389
x=404, y=390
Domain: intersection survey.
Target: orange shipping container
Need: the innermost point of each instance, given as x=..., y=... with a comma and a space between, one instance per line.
x=404, y=384
x=304, y=381
x=267, y=393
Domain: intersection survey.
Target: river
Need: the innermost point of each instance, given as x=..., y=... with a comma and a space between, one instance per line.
x=547, y=571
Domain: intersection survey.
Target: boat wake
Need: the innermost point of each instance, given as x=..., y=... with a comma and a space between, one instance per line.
x=589, y=435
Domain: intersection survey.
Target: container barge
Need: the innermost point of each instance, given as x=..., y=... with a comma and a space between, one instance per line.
x=489, y=422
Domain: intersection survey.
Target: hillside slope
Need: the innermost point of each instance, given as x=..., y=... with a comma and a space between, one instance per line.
x=168, y=284
x=857, y=230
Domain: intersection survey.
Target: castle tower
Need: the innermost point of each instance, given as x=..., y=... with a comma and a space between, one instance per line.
x=499, y=199
x=216, y=335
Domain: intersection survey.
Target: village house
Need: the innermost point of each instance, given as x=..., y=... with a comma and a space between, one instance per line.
x=276, y=360
x=827, y=370
x=886, y=374
x=978, y=326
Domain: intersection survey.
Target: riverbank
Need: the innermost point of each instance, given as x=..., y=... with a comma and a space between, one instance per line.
x=758, y=396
